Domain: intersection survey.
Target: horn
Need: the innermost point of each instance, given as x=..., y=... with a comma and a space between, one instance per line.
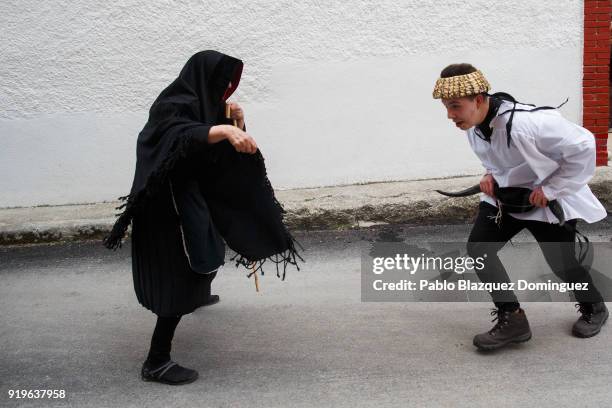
x=463, y=193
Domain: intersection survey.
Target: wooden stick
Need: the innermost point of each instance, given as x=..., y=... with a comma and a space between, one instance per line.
x=256, y=279
x=228, y=114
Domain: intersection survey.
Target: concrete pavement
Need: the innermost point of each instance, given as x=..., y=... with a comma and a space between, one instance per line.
x=70, y=321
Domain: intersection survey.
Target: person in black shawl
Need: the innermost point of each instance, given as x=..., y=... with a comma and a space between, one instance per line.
x=199, y=183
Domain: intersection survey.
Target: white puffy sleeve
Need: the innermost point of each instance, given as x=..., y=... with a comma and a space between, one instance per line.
x=561, y=154
x=577, y=169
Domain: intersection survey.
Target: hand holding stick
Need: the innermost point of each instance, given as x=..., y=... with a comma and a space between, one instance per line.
x=228, y=113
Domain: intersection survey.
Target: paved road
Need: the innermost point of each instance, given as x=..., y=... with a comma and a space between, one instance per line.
x=70, y=321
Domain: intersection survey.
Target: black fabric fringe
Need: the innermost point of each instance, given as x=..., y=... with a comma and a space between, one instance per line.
x=288, y=257
x=133, y=202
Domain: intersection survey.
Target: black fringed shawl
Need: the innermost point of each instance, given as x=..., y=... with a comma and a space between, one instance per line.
x=215, y=189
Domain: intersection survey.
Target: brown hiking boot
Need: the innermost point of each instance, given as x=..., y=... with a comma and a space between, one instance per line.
x=594, y=315
x=511, y=327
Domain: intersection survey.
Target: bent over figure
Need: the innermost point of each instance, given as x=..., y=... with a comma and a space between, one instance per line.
x=537, y=166
x=199, y=183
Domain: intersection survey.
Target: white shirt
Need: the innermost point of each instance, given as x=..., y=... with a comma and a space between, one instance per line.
x=546, y=150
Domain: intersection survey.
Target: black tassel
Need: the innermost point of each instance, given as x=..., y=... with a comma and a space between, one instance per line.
x=114, y=239
x=134, y=202
x=288, y=257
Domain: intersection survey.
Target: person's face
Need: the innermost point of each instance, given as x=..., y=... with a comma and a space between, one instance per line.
x=464, y=112
x=228, y=92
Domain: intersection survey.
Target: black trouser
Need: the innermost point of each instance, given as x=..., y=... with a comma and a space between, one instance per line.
x=556, y=242
x=161, y=341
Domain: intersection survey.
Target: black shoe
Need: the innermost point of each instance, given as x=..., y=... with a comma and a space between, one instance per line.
x=511, y=327
x=594, y=315
x=168, y=373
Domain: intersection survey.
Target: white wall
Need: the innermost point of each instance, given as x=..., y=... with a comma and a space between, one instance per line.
x=334, y=92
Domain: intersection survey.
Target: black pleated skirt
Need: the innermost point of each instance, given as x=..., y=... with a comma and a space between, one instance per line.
x=163, y=280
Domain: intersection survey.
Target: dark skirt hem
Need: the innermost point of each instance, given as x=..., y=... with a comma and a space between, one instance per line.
x=164, y=282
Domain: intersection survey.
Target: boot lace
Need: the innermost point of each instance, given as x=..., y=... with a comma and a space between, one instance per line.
x=502, y=320
x=586, y=311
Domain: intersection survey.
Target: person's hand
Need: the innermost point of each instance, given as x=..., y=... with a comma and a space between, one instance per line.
x=538, y=198
x=241, y=140
x=237, y=114
x=487, y=185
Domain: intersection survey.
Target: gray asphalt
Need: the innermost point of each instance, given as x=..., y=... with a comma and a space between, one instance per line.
x=70, y=321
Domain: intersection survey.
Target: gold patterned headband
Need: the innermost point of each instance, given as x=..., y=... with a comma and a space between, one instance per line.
x=461, y=85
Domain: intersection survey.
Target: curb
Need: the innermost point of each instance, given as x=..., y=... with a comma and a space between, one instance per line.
x=332, y=208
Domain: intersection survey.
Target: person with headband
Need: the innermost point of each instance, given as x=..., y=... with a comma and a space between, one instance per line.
x=533, y=158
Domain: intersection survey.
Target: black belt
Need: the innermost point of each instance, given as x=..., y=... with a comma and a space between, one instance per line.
x=516, y=200
x=511, y=200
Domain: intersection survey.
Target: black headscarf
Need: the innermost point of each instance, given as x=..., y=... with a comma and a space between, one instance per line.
x=214, y=187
